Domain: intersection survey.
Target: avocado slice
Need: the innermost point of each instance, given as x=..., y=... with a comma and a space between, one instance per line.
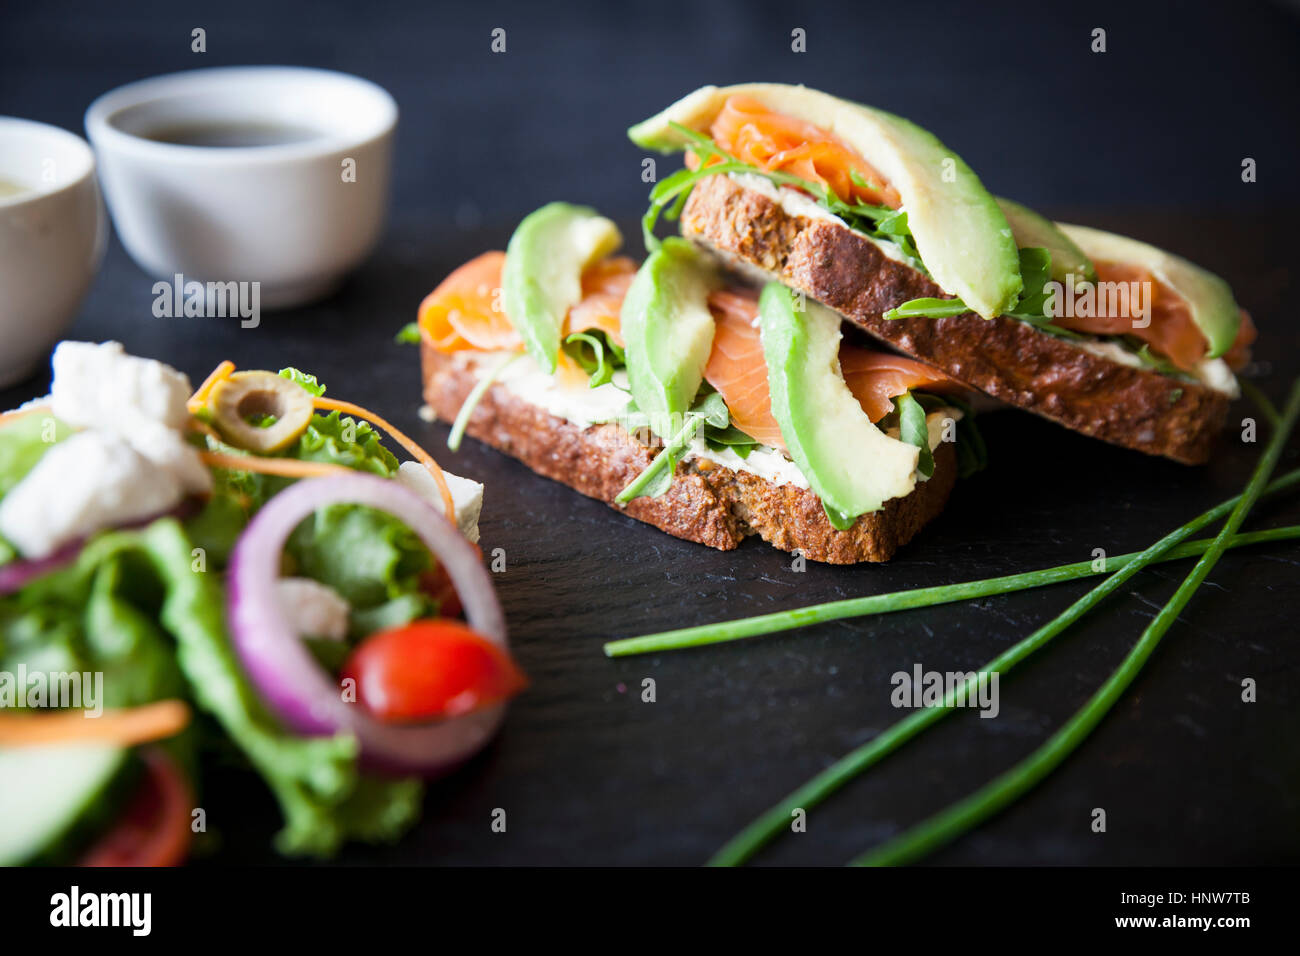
x=668, y=329
x=1033, y=231
x=542, y=277
x=959, y=230
x=851, y=464
x=1214, y=310
x=53, y=794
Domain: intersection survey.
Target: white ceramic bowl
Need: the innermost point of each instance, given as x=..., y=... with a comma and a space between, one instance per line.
x=287, y=215
x=52, y=237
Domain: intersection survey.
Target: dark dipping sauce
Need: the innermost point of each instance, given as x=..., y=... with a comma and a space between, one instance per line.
x=231, y=135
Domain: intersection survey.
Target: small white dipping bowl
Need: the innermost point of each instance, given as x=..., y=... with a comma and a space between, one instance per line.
x=52, y=236
x=295, y=216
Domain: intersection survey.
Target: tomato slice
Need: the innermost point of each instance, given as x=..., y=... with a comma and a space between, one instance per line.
x=429, y=669
x=155, y=830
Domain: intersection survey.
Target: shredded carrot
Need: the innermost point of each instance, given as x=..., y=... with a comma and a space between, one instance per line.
x=200, y=397
x=127, y=727
x=284, y=467
x=17, y=413
x=203, y=428
x=416, y=452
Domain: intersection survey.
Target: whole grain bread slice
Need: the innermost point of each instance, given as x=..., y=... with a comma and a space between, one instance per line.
x=1135, y=407
x=707, y=503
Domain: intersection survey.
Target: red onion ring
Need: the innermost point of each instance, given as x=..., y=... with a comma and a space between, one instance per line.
x=294, y=685
x=16, y=575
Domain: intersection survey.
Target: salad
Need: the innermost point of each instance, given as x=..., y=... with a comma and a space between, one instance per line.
x=243, y=568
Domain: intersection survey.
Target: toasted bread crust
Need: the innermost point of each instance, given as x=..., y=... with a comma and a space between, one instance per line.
x=1135, y=407
x=706, y=503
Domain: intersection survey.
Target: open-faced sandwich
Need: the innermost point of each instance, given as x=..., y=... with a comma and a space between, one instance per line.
x=706, y=406
x=874, y=217
x=241, y=569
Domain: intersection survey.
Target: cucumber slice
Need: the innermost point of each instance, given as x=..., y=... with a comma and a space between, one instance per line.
x=48, y=792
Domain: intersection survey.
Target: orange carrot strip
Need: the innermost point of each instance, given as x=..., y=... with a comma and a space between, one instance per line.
x=127, y=727
x=416, y=452
x=284, y=467
x=200, y=397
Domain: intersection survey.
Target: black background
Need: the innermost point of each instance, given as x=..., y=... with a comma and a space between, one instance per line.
x=1147, y=138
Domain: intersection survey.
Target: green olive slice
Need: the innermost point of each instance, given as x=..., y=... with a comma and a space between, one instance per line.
x=240, y=402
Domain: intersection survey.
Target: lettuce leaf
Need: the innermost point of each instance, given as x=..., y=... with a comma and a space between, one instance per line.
x=23, y=442
x=142, y=605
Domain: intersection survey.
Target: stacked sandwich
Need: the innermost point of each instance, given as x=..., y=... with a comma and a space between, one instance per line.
x=798, y=365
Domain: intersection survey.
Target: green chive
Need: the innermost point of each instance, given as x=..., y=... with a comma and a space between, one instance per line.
x=705, y=634
x=949, y=824
x=472, y=399
x=775, y=820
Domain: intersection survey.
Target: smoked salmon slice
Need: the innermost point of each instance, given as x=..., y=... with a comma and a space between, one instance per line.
x=775, y=142
x=738, y=370
x=1171, y=331
x=465, y=310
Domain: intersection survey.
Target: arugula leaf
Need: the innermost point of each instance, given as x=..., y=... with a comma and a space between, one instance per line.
x=709, y=410
x=927, y=308
x=719, y=439
x=409, y=334
x=596, y=354
x=912, y=429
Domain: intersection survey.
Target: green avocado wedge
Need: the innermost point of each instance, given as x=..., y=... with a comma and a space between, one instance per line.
x=1214, y=310
x=668, y=330
x=50, y=793
x=1033, y=231
x=542, y=277
x=960, y=232
x=851, y=464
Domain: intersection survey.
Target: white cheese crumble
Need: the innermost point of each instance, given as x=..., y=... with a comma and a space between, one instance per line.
x=466, y=495
x=90, y=481
x=313, y=609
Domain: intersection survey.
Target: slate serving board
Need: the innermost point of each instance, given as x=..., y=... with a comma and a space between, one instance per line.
x=586, y=771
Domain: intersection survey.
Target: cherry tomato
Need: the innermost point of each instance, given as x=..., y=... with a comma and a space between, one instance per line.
x=155, y=829
x=431, y=668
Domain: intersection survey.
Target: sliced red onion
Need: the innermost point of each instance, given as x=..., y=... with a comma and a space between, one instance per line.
x=15, y=575
x=304, y=695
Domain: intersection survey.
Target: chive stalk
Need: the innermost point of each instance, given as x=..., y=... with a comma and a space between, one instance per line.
x=1006, y=788
x=473, y=398
x=951, y=823
x=705, y=634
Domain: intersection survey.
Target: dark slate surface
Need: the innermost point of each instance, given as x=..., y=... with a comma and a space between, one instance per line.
x=1147, y=140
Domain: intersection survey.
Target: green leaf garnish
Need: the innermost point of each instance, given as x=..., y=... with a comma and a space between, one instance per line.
x=409, y=334
x=913, y=429
x=597, y=355
x=308, y=382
